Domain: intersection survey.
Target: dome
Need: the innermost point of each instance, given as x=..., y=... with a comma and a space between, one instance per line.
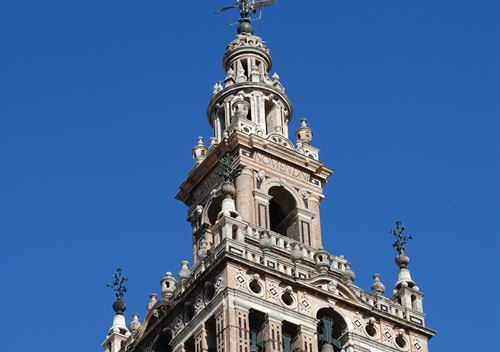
x=246, y=44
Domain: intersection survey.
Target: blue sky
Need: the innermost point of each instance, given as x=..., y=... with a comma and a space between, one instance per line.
x=101, y=102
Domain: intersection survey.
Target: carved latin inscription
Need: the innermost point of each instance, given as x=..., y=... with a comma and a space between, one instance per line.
x=281, y=166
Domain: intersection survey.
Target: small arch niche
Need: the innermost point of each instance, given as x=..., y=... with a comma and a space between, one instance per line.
x=283, y=212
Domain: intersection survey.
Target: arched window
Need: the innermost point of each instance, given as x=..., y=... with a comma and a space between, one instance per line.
x=414, y=303
x=283, y=212
x=331, y=328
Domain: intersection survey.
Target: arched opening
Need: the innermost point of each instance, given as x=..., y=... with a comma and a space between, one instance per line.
x=331, y=328
x=256, y=320
x=188, y=311
x=283, y=212
x=290, y=339
x=414, y=303
x=163, y=342
x=214, y=210
x=211, y=329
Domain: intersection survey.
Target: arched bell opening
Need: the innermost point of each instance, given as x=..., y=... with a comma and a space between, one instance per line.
x=163, y=342
x=290, y=337
x=283, y=212
x=256, y=320
x=189, y=345
x=214, y=210
x=331, y=328
x=211, y=329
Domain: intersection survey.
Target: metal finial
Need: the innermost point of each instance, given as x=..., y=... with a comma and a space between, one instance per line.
x=118, y=283
x=401, y=238
x=228, y=171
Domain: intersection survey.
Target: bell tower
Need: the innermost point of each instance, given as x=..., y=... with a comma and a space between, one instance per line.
x=279, y=184
x=260, y=279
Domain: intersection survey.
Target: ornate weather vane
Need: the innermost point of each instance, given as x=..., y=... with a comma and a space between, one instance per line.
x=401, y=237
x=228, y=171
x=246, y=8
x=119, y=288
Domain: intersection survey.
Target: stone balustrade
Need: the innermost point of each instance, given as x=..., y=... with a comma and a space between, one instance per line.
x=228, y=233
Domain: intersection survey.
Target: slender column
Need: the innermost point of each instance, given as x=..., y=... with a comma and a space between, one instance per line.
x=244, y=199
x=305, y=340
x=180, y=348
x=316, y=240
x=200, y=340
x=262, y=209
x=271, y=335
x=239, y=334
x=220, y=331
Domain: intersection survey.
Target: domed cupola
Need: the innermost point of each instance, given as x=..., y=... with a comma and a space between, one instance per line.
x=247, y=63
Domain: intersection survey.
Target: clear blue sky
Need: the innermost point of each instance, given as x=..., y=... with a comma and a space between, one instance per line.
x=102, y=100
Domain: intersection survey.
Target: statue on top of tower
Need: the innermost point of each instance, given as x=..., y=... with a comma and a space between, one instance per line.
x=246, y=8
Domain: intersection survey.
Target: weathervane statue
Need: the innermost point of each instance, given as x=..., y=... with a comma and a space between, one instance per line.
x=247, y=7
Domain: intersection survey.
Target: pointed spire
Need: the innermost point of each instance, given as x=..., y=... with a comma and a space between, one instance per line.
x=119, y=327
x=402, y=260
x=118, y=286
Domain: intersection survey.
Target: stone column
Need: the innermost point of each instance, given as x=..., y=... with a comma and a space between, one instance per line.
x=262, y=209
x=179, y=348
x=239, y=331
x=244, y=199
x=271, y=335
x=304, y=221
x=200, y=340
x=220, y=331
x=316, y=240
x=306, y=340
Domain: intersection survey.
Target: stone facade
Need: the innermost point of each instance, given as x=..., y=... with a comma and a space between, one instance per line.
x=260, y=279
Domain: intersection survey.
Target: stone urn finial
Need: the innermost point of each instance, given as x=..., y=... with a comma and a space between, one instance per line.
x=184, y=272
x=135, y=324
x=168, y=284
x=348, y=275
x=266, y=241
x=152, y=301
x=378, y=287
x=296, y=254
x=240, y=107
x=322, y=260
x=304, y=133
x=203, y=250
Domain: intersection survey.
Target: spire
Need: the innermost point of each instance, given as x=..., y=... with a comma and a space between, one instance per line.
x=402, y=260
x=118, y=332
